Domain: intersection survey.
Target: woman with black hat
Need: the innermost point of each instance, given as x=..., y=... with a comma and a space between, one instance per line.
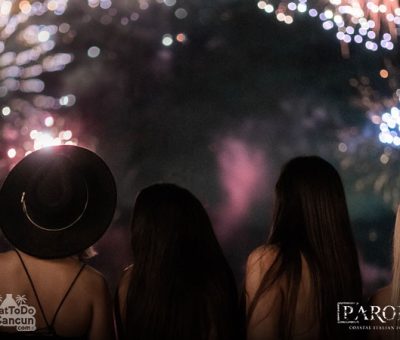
x=54, y=204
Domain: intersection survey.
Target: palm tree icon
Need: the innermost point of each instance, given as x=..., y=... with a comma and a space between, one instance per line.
x=21, y=299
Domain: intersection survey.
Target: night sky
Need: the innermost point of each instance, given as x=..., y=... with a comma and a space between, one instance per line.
x=221, y=112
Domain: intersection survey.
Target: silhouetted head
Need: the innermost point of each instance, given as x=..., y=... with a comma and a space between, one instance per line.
x=310, y=202
x=168, y=225
x=181, y=285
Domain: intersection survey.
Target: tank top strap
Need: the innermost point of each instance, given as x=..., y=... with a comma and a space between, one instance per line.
x=50, y=326
x=66, y=295
x=33, y=288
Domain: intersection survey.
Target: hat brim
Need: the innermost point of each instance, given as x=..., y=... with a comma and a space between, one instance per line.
x=102, y=198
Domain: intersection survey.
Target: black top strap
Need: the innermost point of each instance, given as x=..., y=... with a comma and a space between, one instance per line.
x=50, y=326
x=66, y=294
x=33, y=288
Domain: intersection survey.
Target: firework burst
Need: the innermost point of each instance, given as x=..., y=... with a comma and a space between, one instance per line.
x=372, y=151
x=372, y=23
x=28, y=39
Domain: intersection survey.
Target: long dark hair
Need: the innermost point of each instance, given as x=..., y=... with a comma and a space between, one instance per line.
x=311, y=219
x=181, y=285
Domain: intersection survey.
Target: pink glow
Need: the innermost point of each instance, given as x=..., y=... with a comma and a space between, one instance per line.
x=242, y=173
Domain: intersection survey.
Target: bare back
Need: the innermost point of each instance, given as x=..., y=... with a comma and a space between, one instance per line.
x=86, y=310
x=266, y=318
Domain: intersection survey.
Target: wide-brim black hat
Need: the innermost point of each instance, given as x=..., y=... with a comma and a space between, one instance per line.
x=57, y=201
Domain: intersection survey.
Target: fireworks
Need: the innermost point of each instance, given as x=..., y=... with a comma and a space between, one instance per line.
x=372, y=23
x=30, y=33
x=371, y=152
x=382, y=111
x=25, y=49
x=389, y=125
x=38, y=129
x=27, y=122
x=130, y=13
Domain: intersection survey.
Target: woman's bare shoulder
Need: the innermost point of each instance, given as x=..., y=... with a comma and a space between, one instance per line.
x=7, y=256
x=382, y=296
x=94, y=281
x=123, y=287
x=262, y=257
x=7, y=253
x=124, y=281
x=259, y=262
x=10, y=266
x=127, y=271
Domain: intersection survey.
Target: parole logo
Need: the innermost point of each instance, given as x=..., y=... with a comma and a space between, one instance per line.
x=354, y=312
x=17, y=313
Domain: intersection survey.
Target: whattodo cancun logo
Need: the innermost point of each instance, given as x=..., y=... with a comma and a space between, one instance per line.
x=17, y=313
